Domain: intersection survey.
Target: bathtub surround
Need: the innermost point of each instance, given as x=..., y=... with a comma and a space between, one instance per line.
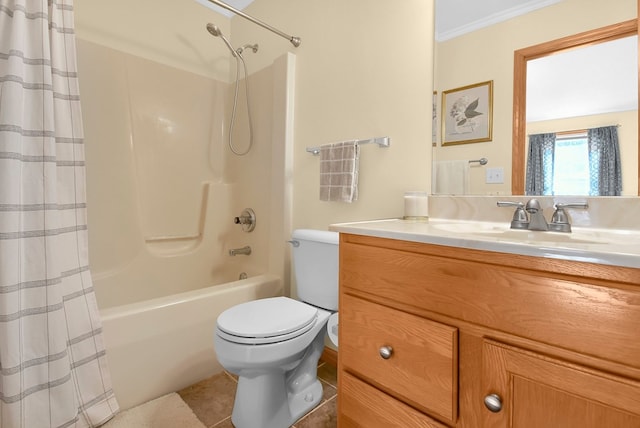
x=163, y=187
x=54, y=370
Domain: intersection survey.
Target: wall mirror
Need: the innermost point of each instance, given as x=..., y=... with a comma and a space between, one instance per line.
x=487, y=53
x=522, y=126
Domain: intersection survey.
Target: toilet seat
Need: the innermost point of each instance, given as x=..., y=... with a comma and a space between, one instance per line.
x=266, y=321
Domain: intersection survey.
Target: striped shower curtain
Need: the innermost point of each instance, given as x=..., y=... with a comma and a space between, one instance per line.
x=53, y=370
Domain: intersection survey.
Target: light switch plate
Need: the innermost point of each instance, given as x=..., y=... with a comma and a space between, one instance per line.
x=495, y=176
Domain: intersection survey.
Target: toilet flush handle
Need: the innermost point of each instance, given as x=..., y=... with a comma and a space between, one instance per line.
x=294, y=243
x=386, y=352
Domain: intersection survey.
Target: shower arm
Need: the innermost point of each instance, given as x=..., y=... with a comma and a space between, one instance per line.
x=295, y=41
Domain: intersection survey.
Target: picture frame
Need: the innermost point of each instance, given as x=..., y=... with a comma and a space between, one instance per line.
x=467, y=114
x=434, y=120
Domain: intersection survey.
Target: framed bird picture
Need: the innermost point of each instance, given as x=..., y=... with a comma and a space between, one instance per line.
x=467, y=114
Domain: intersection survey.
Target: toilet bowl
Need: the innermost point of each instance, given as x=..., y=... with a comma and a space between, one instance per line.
x=277, y=377
x=273, y=345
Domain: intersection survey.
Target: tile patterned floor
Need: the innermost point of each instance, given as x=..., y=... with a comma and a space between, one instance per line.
x=212, y=400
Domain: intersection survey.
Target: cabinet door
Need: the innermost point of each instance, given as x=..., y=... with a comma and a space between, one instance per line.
x=536, y=391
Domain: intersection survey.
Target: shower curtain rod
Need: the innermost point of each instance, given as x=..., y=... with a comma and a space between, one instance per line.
x=295, y=41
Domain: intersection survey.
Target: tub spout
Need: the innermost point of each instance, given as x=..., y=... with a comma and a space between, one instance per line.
x=244, y=250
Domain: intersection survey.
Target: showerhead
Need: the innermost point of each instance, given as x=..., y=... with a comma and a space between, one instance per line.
x=215, y=31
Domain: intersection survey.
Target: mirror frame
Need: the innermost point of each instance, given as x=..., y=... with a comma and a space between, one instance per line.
x=521, y=56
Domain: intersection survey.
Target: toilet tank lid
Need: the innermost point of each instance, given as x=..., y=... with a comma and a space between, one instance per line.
x=325, y=236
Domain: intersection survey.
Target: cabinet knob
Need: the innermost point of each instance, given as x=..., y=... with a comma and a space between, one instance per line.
x=386, y=352
x=493, y=402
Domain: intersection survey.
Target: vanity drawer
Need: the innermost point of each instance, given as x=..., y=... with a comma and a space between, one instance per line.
x=506, y=292
x=363, y=406
x=422, y=369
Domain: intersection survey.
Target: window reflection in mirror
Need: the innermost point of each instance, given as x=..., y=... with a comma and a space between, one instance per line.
x=626, y=117
x=570, y=169
x=580, y=163
x=587, y=86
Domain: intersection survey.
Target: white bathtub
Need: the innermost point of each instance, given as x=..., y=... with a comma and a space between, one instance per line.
x=165, y=344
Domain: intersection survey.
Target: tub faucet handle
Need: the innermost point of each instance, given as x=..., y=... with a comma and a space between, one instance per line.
x=247, y=219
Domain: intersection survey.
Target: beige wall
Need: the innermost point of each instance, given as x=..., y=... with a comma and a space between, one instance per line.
x=487, y=54
x=168, y=32
x=364, y=70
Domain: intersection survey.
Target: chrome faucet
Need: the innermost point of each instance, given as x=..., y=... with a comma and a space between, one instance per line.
x=244, y=251
x=536, y=216
x=535, y=219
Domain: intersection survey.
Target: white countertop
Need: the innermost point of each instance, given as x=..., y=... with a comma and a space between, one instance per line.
x=603, y=246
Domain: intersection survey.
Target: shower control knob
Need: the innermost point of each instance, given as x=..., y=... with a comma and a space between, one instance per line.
x=493, y=402
x=386, y=352
x=247, y=219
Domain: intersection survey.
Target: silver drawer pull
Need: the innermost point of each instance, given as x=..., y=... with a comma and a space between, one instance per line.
x=386, y=352
x=493, y=402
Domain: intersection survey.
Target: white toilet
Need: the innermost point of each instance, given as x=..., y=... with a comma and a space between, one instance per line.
x=273, y=345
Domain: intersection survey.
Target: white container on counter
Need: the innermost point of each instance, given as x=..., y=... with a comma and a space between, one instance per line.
x=416, y=205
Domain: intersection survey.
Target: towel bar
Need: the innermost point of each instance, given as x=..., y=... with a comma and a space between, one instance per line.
x=380, y=141
x=481, y=161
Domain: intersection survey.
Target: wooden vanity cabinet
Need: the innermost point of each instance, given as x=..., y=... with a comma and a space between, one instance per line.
x=428, y=332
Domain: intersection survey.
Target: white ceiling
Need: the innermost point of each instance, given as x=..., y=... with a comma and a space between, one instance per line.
x=238, y=4
x=597, y=79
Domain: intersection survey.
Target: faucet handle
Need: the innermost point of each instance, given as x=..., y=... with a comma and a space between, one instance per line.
x=520, y=219
x=560, y=219
x=582, y=205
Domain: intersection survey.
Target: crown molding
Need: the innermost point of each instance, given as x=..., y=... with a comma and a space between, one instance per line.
x=493, y=19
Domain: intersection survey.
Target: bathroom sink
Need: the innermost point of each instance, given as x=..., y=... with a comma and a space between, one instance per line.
x=502, y=232
x=535, y=236
x=617, y=247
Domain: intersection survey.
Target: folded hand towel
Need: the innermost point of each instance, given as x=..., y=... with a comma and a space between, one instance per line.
x=451, y=177
x=339, y=171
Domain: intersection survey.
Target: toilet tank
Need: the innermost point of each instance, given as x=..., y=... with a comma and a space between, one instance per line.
x=315, y=266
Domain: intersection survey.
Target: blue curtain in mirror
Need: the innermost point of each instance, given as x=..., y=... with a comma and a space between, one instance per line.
x=604, y=161
x=539, y=178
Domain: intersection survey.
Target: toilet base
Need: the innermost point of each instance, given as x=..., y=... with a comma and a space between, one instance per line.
x=277, y=407
x=278, y=399
x=301, y=403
